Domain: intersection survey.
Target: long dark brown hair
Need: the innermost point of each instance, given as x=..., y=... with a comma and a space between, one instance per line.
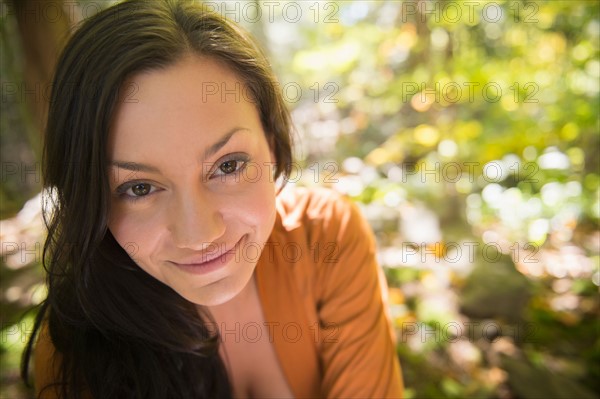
x=119, y=332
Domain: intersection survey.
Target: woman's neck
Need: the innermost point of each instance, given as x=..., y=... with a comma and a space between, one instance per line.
x=240, y=308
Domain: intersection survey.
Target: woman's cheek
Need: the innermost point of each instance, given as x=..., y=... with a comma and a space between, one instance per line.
x=259, y=207
x=136, y=232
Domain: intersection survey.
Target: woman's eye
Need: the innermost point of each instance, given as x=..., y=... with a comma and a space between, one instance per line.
x=135, y=190
x=139, y=190
x=230, y=166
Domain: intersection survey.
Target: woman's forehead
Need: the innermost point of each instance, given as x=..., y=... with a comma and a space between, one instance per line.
x=195, y=96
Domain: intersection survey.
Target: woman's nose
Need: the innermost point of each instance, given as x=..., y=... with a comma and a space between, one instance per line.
x=196, y=221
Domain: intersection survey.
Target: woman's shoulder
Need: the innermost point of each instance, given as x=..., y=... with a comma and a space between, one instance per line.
x=324, y=221
x=313, y=207
x=46, y=364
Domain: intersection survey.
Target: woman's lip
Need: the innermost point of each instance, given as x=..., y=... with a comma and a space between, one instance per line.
x=204, y=258
x=209, y=265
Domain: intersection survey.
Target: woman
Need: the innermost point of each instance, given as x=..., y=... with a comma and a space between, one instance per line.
x=176, y=266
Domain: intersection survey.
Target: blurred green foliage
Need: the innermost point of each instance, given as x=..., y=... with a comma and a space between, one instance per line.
x=469, y=133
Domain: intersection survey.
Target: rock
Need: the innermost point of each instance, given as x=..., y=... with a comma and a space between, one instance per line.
x=529, y=382
x=495, y=290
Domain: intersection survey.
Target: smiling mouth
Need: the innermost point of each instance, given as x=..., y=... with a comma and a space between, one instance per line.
x=209, y=262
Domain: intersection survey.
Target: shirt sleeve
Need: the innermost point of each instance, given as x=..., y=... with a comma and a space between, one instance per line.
x=45, y=366
x=358, y=355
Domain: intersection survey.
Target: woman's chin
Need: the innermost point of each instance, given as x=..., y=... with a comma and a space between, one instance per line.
x=220, y=292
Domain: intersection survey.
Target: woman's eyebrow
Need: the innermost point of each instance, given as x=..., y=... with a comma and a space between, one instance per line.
x=219, y=144
x=135, y=167
x=140, y=167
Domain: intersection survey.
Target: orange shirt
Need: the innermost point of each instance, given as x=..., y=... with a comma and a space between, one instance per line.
x=322, y=275
x=322, y=296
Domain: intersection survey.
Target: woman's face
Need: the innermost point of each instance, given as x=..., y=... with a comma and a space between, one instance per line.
x=192, y=179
